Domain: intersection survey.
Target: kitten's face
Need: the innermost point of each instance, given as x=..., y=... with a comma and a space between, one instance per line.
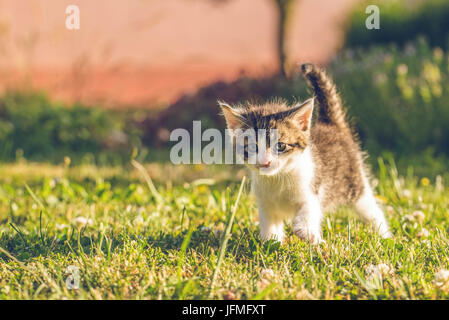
x=284, y=135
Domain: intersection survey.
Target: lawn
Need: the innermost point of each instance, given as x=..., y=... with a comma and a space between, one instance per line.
x=130, y=239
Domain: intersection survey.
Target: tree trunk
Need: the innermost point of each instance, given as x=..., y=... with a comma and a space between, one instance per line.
x=284, y=10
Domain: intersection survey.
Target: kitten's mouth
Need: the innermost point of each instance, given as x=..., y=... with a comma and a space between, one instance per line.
x=267, y=169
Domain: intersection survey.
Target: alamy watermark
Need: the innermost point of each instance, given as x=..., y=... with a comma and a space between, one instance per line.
x=373, y=20
x=72, y=21
x=72, y=281
x=238, y=146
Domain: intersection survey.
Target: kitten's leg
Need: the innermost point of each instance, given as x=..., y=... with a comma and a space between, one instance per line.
x=368, y=209
x=307, y=221
x=271, y=227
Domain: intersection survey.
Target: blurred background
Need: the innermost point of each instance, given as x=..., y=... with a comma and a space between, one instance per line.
x=146, y=52
x=135, y=70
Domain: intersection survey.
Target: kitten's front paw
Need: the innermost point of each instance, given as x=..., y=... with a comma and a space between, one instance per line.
x=305, y=234
x=384, y=231
x=381, y=227
x=275, y=237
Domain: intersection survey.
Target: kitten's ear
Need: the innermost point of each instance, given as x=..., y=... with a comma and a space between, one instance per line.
x=303, y=114
x=232, y=116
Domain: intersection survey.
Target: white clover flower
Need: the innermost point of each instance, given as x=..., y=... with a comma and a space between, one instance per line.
x=267, y=274
x=380, y=270
x=52, y=183
x=376, y=273
x=82, y=221
x=263, y=283
x=14, y=207
x=385, y=269
x=407, y=193
x=266, y=277
x=402, y=69
x=138, y=221
x=419, y=216
x=427, y=243
x=206, y=229
x=61, y=226
x=424, y=233
x=442, y=279
x=182, y=201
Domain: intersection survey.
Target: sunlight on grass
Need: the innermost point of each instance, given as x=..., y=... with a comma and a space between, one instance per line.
x=128, y=245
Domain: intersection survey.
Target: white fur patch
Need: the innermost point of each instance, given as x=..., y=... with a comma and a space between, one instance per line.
x=288, y=194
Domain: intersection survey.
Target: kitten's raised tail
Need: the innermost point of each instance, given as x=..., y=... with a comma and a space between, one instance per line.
x=330, y=106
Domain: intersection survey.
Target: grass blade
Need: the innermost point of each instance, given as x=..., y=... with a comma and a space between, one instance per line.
x=225, y=238
x=148, y=180
x=34, y=196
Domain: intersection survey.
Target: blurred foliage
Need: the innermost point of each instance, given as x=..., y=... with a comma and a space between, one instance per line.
x=396, y=96
x=400, y=22
x=33, y=127
x=397, y=99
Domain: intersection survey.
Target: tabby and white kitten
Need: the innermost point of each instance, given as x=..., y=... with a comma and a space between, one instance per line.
x=318, y=165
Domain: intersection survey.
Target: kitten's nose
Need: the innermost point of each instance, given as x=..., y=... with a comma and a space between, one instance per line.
x=265, y=163
x=264, y=160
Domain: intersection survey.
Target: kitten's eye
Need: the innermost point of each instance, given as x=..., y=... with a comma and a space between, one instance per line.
x=280, y=147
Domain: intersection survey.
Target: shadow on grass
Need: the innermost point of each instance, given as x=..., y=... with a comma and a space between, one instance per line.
x=244, y=244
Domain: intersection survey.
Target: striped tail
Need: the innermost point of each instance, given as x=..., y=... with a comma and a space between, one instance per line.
x=330, y=106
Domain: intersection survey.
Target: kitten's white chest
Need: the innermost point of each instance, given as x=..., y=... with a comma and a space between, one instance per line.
x=282, y=196
x=285, y=193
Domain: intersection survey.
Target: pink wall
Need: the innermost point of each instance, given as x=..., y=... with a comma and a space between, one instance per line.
x=143, y=51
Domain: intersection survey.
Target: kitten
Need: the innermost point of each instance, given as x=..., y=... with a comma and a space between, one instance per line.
x=312, y=168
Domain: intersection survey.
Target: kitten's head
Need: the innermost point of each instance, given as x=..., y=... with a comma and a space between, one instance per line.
x=281, y=132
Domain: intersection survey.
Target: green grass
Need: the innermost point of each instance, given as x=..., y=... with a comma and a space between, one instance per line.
x=140, y=246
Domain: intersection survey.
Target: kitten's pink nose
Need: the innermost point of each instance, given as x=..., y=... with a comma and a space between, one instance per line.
x=265, y=163
x=264, y=160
